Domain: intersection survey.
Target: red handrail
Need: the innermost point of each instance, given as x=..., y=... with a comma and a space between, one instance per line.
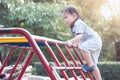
x=32, y=40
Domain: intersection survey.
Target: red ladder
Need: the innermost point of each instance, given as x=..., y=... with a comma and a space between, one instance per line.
x=33, y=47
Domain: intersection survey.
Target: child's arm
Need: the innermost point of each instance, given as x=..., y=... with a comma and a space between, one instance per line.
x=75, y=40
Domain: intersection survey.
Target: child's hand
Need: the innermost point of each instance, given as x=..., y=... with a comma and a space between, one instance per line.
x=69, y=43
x=76, y=45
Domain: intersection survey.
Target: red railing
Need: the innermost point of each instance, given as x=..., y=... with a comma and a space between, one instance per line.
x=35, y=49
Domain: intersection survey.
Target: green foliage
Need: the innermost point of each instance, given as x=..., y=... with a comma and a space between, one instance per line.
x=3, y=13
x=33, y=71
x=43, y=19
x=110, y=70
x=38, y=69
x=33, y=14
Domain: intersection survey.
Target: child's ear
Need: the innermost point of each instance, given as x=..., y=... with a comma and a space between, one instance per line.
x=74, y=15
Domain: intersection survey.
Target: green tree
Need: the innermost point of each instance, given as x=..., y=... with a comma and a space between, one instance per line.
x=42, y=19
x=39, y=18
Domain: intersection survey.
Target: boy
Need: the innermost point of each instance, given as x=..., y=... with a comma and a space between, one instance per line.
x=88, y=41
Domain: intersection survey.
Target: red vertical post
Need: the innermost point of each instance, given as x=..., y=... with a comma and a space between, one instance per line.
x=56, y=60
x=77, y=55
x=18, y=60
x=6, y=59
x=25, y=64
x=91, y=78
x=66, y=61
x=74, y=61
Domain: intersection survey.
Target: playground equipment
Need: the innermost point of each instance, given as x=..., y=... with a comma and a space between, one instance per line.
x=33, y=44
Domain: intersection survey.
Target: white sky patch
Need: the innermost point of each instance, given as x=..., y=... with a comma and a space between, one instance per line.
x=110, y=8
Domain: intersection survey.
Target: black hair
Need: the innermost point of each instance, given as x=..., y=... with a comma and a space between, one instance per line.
x=70, y=9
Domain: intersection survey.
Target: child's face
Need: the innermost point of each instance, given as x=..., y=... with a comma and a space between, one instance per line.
x=69, y=18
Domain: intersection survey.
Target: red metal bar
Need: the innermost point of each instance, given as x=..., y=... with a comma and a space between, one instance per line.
x=6, y=59
x=74, y=61
x=66, y=61
x=64, y=68
x=25, y=64
x=88, y=73
x=18, y=60
x=51, y=41
x=56, y=60
x=77, y=55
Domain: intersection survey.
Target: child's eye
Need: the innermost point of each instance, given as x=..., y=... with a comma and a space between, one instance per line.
x=65, y=17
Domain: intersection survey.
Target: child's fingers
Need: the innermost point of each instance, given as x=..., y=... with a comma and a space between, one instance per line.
x=76, y=44
x=69, y=43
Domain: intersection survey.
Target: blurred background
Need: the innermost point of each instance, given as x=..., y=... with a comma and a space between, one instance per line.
x=43, y=18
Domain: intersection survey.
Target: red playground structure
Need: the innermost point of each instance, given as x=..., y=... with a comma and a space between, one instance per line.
x=31, y=43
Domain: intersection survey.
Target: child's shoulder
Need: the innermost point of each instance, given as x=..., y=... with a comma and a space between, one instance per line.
x=79, y=22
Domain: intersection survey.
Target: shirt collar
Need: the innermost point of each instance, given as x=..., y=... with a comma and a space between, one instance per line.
x=71, y=26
